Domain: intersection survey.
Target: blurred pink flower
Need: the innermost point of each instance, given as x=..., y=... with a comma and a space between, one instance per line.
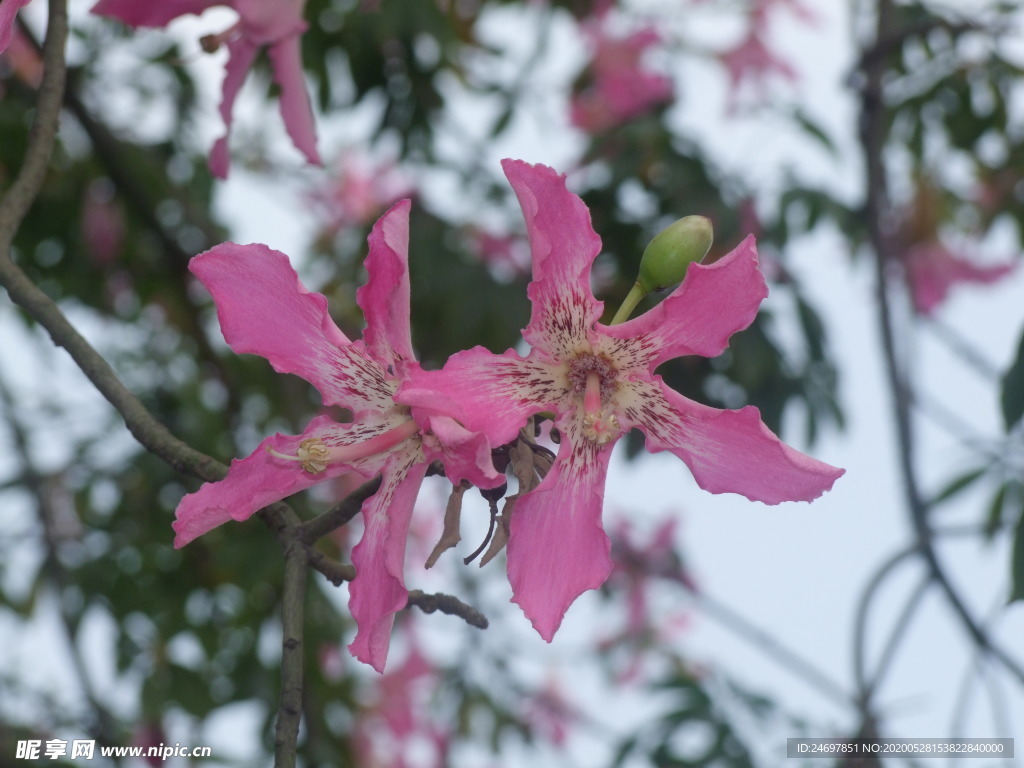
x=276, y=25
x=550, y=714
x=356, y=192
x=620, y=87
x=102, y=223
x=507, y=256
x=23, y=59
x=932, y=270
x=398, y=721
x=599, y=382
x=264, y=309
x=751, y=63
x=637, y=565
x=8, y=11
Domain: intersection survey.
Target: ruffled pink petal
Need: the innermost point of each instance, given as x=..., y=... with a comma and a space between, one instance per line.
x=384, y=298
x=261, y=479
x=136, y=13
x=8, y=11
x=727, y=451
x=296, y=110
x=466, y=455
x=378, y=592
x=265, y=310
x=712, y=303
x=487, y=393
x=242, y=53
x=557, y=549
x=563, y=245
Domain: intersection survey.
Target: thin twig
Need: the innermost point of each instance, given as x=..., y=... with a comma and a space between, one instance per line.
x=770, y=646
x=336, y=573
x=447, y=604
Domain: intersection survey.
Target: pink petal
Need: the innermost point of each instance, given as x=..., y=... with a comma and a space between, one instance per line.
x=378, y=591
x=466, y=455
x=933, y=270
x=150, y=14
x=286, y=59
x=487, y=393
x=727, y=451
x=269, y=21
x=242, y=53
x=557, y=548
x=8, y=11
x=265, y=310
x=385, y=297
x=258, y=480
x=712, y=303
x=563, y=245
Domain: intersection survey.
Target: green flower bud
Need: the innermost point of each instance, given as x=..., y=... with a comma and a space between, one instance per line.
x=672, y=250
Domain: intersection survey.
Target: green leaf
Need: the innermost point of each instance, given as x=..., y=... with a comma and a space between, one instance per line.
x=1013, y=389
x=814, y=129
x=994, y=518
x=1017, y=563
x=958, y=484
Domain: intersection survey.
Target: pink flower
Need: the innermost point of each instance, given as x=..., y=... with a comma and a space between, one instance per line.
x=751, y=61
x=8, y=11
x=599, y=381
x=506, y=255
x=22, y=58
x=622, y=89
x=636, y=564
x=357, y=192
x=264, y=309
x=932, y=270
x=550, y=714
x=276, y=25
x=102, y=223
x=398, y=722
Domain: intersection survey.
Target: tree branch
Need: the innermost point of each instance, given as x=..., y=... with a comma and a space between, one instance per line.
x=293, y=602
x=873, y=137
x=340, y=514
x=23, y=192
x=447, y=604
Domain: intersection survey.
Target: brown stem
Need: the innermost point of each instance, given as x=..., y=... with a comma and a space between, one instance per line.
x=293, y=601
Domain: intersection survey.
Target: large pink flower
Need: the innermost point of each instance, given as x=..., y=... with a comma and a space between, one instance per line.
x=275, y=24
x=264, y=309
x=599, y=381
x=932, y=270
x=8, y=11
x=622, y=87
